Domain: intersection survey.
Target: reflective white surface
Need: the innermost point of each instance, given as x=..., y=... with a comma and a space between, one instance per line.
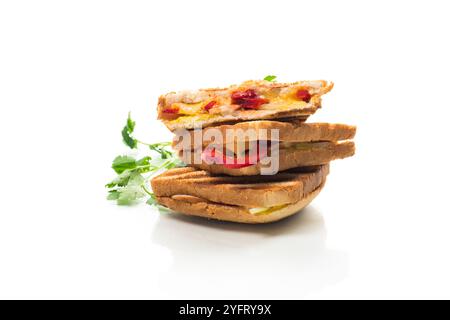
x=290, y=257
x=71, y=72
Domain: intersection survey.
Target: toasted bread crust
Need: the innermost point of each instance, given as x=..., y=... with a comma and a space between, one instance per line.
x=288, y=159
x=232, y=213
x=257, y=191
x=290, y=131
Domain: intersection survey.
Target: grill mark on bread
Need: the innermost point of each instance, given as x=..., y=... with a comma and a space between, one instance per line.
x=226, y=212
x=256, y=191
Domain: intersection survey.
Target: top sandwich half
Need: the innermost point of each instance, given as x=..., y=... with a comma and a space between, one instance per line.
x=251, y=100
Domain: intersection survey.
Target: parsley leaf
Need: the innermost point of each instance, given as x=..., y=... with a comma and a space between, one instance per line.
x=122, y=163
x=129, y=188
x=270, y=78
x=127, y=132
x=113, y=195
x=133, y=174
x=121, y=180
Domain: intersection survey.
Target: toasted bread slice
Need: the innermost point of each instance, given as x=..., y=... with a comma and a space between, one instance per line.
x=251, y=192
x=288, y=131
x=251, y=100
x=288, y=158
x=202, y=208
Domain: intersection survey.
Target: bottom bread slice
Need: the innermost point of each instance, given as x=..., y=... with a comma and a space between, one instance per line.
x=202, y=208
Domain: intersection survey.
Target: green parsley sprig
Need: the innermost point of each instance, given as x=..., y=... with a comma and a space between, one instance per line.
x=133, y=175
x=270, y=78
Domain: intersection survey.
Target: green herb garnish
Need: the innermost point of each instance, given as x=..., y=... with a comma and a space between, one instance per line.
x=132, y=181
x=270, y=78
x=127, y=132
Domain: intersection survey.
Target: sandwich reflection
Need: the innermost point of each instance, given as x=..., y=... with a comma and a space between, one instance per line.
x=212, y=259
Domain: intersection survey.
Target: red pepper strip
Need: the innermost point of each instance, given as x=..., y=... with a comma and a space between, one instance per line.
x=171, y=110
x=215, y=157
x=303, y=95
x=209, y=105
x=248, y=99
x=254, y=103
x=241, y=95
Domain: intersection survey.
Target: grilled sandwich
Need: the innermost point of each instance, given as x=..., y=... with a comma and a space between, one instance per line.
x=251, y=100
x=251, y=156
x=256, y=199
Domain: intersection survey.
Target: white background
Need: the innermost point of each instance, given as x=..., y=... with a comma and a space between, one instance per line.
x=71, y=70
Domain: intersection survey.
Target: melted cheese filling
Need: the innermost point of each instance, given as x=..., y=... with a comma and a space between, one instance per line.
x=192, y=112
x=264, y=211
x=279, y=100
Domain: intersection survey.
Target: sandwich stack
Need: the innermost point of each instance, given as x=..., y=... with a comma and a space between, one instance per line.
x=251, y=155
